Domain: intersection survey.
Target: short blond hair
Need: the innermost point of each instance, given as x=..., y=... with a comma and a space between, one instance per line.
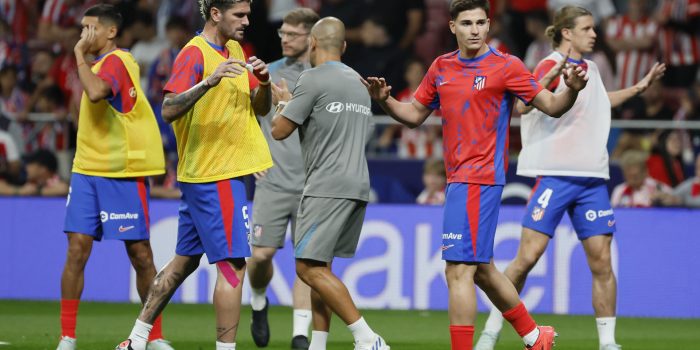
x=634, y=158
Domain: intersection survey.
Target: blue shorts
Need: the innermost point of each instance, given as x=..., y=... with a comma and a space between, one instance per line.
x=470, y=220
x=584, y=198
x=108, y=208
x=213, y=219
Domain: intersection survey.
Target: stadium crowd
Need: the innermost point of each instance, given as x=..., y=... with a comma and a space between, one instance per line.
x=397, y=39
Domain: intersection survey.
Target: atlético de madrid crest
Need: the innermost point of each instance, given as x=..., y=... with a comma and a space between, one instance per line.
x=479, y=82
x=537, y=214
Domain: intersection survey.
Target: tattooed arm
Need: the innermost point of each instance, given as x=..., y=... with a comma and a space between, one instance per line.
x=176, y=105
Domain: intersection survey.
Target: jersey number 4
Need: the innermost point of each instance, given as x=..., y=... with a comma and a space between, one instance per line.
x=543, y=201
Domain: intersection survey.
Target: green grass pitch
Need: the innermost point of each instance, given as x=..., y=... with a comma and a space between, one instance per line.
x=35, y=326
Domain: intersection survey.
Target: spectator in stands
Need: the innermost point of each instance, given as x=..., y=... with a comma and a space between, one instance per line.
x=178, y=34
x=664, y=163
x=679, y=22
x=148, y=45
x=649, y=106
x=516, y=12
x=688, y=192
x=353, y=14
x=419, y=143
x=535, y=24
x=632, y=36
x=59, y=18
x=640, y=190
x=601, y=9
x=10, y=162
x=12, y=99
x=42, y=178
x=434, y=180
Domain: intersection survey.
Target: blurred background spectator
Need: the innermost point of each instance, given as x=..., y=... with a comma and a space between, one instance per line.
x=639, y=190
x=665, y=163
x=42, y=178
x=688, y=192
x=397, y=39
x=434, y=180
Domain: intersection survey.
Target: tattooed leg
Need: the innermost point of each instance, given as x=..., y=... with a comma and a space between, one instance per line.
x=227, y=302
x=165, y=284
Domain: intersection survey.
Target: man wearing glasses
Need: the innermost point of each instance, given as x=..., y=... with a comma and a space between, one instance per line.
x=278, y=191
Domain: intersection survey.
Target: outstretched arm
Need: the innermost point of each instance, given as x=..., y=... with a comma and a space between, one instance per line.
x=555, y=105
x=411, y=114
x=620, y=96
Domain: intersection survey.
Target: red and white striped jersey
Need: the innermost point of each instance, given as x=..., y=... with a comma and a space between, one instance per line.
x=631, y=65
x=14, y=13
x=64, y=14
x=679, y=48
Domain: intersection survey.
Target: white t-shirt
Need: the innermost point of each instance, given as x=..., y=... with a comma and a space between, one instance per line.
x=625, y=196
x=8, y=147
x=574, y=144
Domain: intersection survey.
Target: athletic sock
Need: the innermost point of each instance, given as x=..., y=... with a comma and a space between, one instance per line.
x=301, y=322
x=494, y=323
x=361, y=331
x=523, y=323
x=69, y=317
x=139, y=335
x=606, y=330
x=258, y=298
x=462, y=337
x=318, y=340
x=225, y=346
x=157, y=330
x=531, y=338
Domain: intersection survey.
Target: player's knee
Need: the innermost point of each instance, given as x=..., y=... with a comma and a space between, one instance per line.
x=261, y=255
x=77, y=255
x=525, y=261
x=601, y=267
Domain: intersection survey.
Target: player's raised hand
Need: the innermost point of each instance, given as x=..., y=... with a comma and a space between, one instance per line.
x=87, y=39
x=259, y=69
x=655, y=73
x=280, y=92
x=575, y=78
x=377, y=88
x=559, y=67
x=230, y=68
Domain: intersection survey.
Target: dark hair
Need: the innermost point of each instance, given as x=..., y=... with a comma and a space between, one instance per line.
x=53, y=94
x=177, y=22
x=7, y=68
x=205, y=6
x=106, y=13
x=302, y=15
x=145, y=18
x=44, y=158
x=564, y=18
x=457, y=6
x=669, y=159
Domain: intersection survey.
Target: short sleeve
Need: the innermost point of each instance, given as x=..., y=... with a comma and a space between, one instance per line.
x=427, y=93
x=519, y=81
x=542, y=69
x=114, y=73
x=303, y=100
x=188, y=71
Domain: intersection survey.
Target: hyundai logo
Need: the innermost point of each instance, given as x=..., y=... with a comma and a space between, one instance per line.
x=335, y=107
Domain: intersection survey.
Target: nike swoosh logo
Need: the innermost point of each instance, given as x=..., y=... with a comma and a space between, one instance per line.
x=125, y=228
